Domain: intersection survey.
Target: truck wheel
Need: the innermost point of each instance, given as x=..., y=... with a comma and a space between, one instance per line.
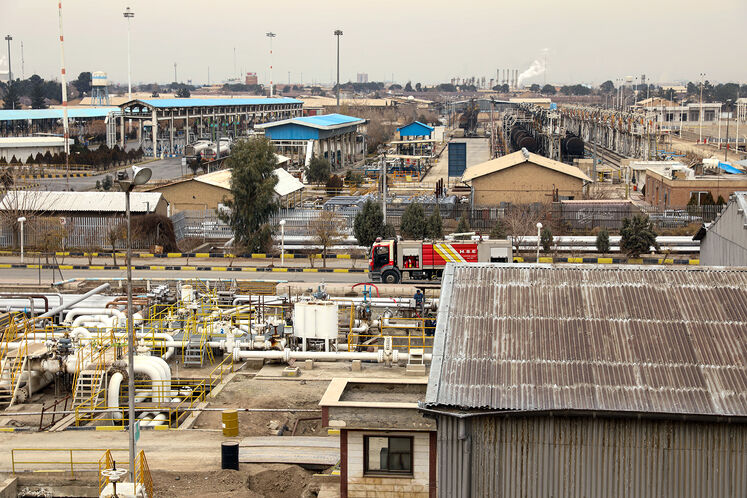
x=390, y=277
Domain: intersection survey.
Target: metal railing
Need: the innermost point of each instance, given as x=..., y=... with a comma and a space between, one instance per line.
x=70, y=459
x=143, y=475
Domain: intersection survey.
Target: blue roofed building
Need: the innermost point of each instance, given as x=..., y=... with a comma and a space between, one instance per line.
x=26, y=122
x=332, y=136
x=415, y=130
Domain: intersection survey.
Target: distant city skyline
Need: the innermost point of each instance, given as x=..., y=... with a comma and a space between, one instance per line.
x=668, y=41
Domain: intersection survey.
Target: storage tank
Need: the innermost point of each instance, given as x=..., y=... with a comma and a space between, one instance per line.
x=315, y=320
x=99, y=78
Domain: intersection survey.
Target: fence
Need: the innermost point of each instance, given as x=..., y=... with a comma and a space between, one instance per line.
x=85, y=232
x=200, y=224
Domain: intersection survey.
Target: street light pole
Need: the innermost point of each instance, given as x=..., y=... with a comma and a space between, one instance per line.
x=700, y=111
x=10, y=72
x=282, y=242
x=338, y=34
x=271, y=35
x=140, y=176
x=726, y=151
x=128, y=14
x=539, y=228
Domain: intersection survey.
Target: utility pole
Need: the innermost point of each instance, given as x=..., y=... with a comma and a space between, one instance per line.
x=129, y=14
x=726, y=151
x=10, y=71
x=65, y=122
x=23, y=75
x=338, y=34
x=700, y=111
x=271, y=35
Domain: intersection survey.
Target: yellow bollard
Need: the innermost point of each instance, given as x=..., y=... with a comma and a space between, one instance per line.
x=230, y=423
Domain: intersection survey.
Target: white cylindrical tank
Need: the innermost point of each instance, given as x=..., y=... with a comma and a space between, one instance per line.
x=315, y=320
x=326, y=320
x=99, y=78
x=187, y=293
x=299, y=318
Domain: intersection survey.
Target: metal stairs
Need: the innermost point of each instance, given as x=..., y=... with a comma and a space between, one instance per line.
x=193, y=354
x=10, y=379
x=88, y=388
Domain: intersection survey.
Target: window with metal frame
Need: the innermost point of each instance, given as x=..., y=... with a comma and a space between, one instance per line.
x=387, y=455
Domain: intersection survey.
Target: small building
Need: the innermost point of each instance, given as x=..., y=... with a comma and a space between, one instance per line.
x=209, y=191
x=23, y=147
x=674, y=190
x=617, y=381
x=724, y=241
x=415, y=131
x=331, y=136
x=523, y=178
x=387, y=448
x=638, y=170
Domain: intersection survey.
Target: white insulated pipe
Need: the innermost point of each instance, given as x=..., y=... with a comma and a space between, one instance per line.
x=287, y=354
x=112, y=394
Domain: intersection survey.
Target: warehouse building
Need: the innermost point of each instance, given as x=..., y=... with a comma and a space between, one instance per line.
x=524, y=178
x=674, y=190
x=622, y=381
x=724, y=242
x=23, y=147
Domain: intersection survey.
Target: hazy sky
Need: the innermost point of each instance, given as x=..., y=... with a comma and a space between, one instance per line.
x=429, y=41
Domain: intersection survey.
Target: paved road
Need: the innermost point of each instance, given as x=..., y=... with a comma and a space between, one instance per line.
x=31, y=276
x=478, y=151
x=165, y=169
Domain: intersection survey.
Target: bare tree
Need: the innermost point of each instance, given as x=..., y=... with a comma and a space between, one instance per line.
x=116, y=232
x=29, y=204
x=521, y=221
x=326, y=230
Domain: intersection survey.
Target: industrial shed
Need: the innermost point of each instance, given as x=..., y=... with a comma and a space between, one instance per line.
x=523, y=178
x=724, y=242
x=621, y=381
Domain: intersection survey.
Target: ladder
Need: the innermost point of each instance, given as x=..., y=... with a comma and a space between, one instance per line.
x=193, y=354
x=88, y=388
x=10, y=378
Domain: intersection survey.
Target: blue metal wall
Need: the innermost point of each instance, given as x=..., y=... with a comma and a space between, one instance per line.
x=292, y=131
x=457, y=158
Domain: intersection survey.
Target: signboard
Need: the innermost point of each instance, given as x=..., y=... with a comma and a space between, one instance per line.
x=457, y=158
x=184, y=161
x=137, y=431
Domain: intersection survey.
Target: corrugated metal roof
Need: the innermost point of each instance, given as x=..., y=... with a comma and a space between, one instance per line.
x=39, y=141
x=164, y=103
x=72, y=113
x=518, y=157
x=42, y=201
x=322, y=122
x=286, y=184
x=622, y=339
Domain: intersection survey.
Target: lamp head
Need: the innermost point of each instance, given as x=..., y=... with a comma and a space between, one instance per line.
x=282, y=222
x=21, y=219
x=539, y=226
x=141, y=175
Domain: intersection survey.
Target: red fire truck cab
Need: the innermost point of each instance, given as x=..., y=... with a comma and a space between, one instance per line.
x=394, y=260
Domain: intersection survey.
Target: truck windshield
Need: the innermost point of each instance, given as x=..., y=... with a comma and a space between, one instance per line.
x=380, y=256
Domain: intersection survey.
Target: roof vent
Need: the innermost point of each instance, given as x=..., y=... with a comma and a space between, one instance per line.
x=525, y=152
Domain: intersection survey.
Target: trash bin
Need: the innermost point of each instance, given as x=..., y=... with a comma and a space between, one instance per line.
x=229, y=455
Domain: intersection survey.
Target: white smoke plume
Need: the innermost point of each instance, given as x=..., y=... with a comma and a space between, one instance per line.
x=535, y=69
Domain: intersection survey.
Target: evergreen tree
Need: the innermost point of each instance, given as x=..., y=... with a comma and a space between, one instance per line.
x=720, y=201
x=435, y=229
x=546, y=239
x=369, y=224
x=603, y=241
x=11, y=101
x=637, y=236
x=499, y=231
x=413, y=224
x=318, y=170
x=463, y=227
x=37, y=97
x=252, y=163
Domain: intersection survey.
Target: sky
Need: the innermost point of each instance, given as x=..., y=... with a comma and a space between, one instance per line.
x=585, y=41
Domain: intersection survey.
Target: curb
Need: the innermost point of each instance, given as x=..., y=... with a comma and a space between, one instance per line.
x=183, y=268
x=218, y=255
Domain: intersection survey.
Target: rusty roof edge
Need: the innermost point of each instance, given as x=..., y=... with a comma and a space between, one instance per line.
x=466, y=412
x=439, y=343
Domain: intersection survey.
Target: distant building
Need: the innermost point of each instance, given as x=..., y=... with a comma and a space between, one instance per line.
x=251, y=79
x=362, y=78
x=724, y=242
x=673, y=190
x=614, y=382
x=523, y=178
x=23, y=147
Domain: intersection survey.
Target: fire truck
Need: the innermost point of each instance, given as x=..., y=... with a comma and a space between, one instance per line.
x=394, y=260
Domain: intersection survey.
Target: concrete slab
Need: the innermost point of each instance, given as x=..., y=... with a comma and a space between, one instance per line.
x=306, y=450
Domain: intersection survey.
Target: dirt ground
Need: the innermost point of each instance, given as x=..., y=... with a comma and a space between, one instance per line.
x=253, y=481
x=246, y=392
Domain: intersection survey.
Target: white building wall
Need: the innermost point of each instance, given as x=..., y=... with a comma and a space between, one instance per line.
x=388, y=486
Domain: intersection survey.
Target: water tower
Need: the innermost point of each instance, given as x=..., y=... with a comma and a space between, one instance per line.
x=99, y=89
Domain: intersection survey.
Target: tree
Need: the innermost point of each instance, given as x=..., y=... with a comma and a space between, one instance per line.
x=408, y=87
x=116, y=232
x=107, y=183
x=369, y=224
x=603, y=241
x=334, y=185
x=326, y=231
x=499, y=230
x=720, y=201
x=522, y=221
x=252, y=163
x=83, y=83
x=418, y=87
x=183, y=93
x=546, y=239
x=37, y=97
x=395, y=86
x=11, y=100
x=318, y=170
x=637, y=236
x=463, y=227
x=389, y=232
x=548, y=90
x=534, y=87
x=707, y=200
x=607, y=87
x=435, y=228
x=354, y=178
x=413, y=224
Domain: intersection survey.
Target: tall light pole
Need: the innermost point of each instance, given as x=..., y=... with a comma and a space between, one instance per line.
x=270, y=35
x=539, y=229
x=726, y=151
x=140, y=176
x=338, y=34
x=129, y=14
x=700, y=111
x=63, y=78
x=282, y=242
x=10, y=72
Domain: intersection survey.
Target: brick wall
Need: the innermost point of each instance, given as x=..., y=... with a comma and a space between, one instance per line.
x=387, y=486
